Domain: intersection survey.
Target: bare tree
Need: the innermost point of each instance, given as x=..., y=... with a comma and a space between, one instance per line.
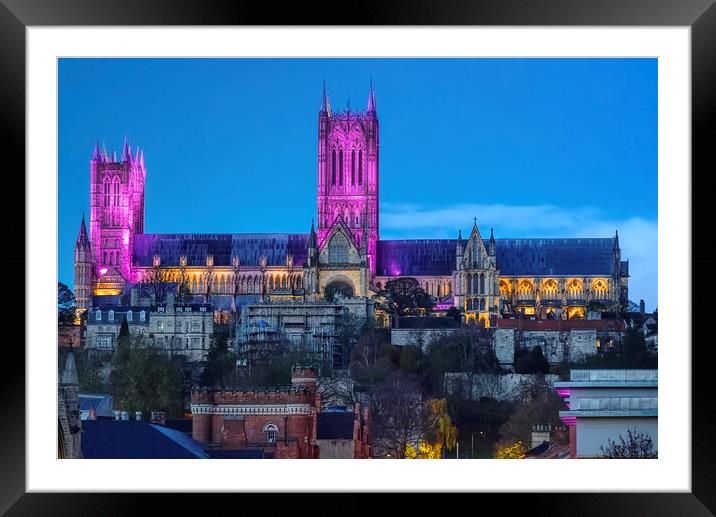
x=157, y=278
x=635, y=445
x=398, y=415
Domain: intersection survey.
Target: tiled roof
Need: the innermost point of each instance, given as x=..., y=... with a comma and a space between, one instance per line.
x=136, y=439
x=540, y=257
x=249, y=247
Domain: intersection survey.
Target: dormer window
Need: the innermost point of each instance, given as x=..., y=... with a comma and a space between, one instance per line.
x=130, y=315
x=142, y=316
x=202, y=309
x=98, y=315
x=160, y=309
x=110, y=315
x=179, y=309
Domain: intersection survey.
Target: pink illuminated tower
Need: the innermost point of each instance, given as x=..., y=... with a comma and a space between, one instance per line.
x=348, y=172
x=117, y=208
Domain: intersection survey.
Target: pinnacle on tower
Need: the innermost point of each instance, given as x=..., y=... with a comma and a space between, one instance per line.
x=82, y=237
x=325, y=101
x=141, y=159
x=616, y=240
x=105, y=158
x=371, y=98
x=312, y=240
x=95, y=153
x=125, y=152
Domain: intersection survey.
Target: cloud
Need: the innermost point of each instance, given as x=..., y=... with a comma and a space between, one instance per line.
x=638, y=237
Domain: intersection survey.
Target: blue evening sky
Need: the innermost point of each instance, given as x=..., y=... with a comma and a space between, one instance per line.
x=531, y=147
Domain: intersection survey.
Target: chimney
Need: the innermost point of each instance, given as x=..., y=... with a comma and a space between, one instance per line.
x=138, y=415
x=642, y=306
x=117, y=414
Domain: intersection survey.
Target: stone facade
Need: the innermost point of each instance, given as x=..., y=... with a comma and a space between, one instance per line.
x=555, y=278
x=181, y=328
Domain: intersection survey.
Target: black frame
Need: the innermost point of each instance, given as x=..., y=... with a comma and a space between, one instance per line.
x=700, y=15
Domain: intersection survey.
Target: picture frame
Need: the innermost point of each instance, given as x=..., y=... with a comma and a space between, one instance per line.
x=700, y=15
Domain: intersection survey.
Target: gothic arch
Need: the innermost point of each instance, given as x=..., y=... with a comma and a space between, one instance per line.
x=549, y=289
x=525, y=290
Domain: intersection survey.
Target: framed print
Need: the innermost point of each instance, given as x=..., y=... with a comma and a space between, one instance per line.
x=536, y=177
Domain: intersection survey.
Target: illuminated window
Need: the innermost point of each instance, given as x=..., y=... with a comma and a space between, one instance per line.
x=360, y=166
x=271, y=431
x=333, y=167
x=115, y=191
x=340, y=167
x=549, y=290
x=106, y=190
x=160, y=326
x=353, y=167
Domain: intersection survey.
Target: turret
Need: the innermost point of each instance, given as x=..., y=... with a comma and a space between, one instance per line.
x=82, y=270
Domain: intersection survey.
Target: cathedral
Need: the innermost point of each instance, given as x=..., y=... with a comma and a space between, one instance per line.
x=485, y=278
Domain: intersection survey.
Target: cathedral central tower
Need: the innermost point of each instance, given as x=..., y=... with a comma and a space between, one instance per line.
x=348, y=173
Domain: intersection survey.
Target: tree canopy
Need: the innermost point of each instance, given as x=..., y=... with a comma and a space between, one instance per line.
x=65, y=304
x=405, y=296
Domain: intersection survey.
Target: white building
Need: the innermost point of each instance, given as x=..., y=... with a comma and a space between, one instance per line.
x=604, y=404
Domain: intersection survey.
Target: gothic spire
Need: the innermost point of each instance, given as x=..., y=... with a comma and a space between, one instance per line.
x=95, y=152
x=312, y=244
x=371, y=98
x=125, y=152
x=82, y=235
x=492, y=242
x=325, y=101
x=616, y=240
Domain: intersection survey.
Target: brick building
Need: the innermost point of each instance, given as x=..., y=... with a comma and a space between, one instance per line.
x=279, y=422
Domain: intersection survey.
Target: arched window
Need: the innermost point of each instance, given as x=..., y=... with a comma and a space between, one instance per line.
x=482, y=283
x=599, y=289
x=504, y=289
x=549, y=290
x=98, y=315
x=271, y=431
x=110, y=315
x=353, y=166
x=142, y=316
x=340, y=167
x=525, y=290
x=130, y=315
x=360, y=166
x=574, y=289
x=115, y=191
x=338, y=250
x=104, y=258
x=333, y=167
x=105, y=190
